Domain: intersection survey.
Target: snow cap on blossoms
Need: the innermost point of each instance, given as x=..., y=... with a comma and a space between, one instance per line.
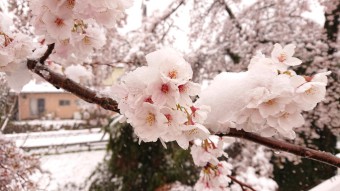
x=267, y=99
x=155, y=100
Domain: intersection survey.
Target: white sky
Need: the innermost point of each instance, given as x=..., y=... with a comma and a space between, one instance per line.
x=316, y=14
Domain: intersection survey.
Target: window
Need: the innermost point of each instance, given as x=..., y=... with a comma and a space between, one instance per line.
x=37, y=106
x=41, y=106
x=64, y=102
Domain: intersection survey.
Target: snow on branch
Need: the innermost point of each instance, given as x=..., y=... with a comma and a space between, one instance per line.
x=110, y=104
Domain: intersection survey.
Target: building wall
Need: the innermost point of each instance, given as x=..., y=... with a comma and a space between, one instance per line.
x=53, y=105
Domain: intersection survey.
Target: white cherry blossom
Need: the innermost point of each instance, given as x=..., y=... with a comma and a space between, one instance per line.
x=149, y=123
x=208, y=152
x=163, y=93
x=285, y=55
x=214, y=177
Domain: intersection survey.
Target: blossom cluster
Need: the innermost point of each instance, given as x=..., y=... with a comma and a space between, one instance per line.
x=156, y=100
x=76, y=27
x=214, y=174
x=14, y=50
x=16, y=168
x=267, y=99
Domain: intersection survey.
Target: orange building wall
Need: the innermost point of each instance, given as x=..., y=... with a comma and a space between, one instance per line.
x=51, y=105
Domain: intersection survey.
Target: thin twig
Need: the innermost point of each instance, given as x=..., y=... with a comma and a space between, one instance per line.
x=242, y=184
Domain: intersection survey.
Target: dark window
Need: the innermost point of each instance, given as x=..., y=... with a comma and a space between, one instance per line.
x=41, y=106
x=64, y=102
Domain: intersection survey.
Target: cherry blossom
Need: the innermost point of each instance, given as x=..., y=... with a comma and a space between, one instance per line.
x=285, y=55
x=208, y=152
x=310, y=92
x=149, y=122
x=214, y=177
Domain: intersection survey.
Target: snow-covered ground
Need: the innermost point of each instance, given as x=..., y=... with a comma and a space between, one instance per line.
x=68, y=168
x=61, y=137
x=56, y=124
x=64, y=167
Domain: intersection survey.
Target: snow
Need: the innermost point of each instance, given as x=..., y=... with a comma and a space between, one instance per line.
x=63, y=137
x=50, y=123
x=72, y=168
x=45, y=87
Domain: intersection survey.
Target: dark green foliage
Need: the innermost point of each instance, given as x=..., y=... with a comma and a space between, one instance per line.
x=308, y=173
x=144, y=166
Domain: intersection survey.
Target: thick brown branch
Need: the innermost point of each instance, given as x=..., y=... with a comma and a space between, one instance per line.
x=320, y=156
x=69, y=85
x=242, y=184
x=110, y=104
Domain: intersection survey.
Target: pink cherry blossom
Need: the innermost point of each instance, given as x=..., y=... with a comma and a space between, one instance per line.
x=285, y=55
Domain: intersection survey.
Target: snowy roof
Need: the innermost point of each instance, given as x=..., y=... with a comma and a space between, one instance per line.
x=43, y=87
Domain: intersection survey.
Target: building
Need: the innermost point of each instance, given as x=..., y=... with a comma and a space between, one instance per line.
x=43, y=100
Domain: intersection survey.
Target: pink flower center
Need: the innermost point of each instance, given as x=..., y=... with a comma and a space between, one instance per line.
x=59, y=22
x=149, y=100
x=308, y=78
x=172, y=74
x=282, y=57
x=193, y=110
x=168, y=117
x=165, y=88
x=181, y=88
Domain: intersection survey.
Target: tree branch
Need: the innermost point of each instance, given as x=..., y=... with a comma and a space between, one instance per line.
x=48, y=52
x=242, y=184
x=165, y=16
x=305, y=152
x=110, y=104
x=69, y=85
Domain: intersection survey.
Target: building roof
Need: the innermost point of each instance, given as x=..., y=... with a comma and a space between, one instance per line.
x=43, y=87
